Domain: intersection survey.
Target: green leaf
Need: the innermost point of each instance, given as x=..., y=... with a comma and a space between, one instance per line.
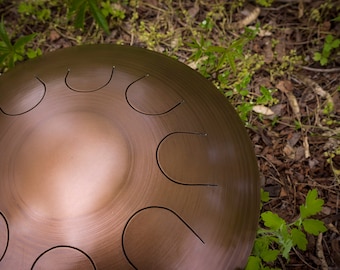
x=270, y=255
x=312, y=205
x=221, y=61
x=254, y=263
x=25, y=8
x=261, y=245
x=317, y=56
x=75, y=4
x=3, y=34
x=2, y=58
x=33, y=53
x=286, y=248
x=243, y=109
x=336, y=19
x=299, y=239
x=11, y=60
x=230, y=58
x=98, y=15
x=106, y=8
x=4, y=48
x=329, y=38
x=22, y=41
x=323, y=61
x=314, y=226
x=218, y=49
x=264, y=195
x=80, y=16
x=335, y=43
x=266, y=96
x=272, y=220
x=285, y=241
x=327, y=49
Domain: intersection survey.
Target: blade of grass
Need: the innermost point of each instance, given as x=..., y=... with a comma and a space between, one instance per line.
x=3, y=34
x=98, y=16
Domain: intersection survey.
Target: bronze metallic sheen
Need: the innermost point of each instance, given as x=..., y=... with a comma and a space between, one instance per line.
x=115, y=157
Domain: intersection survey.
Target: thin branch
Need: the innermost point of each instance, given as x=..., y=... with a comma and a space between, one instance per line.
x=320, y=69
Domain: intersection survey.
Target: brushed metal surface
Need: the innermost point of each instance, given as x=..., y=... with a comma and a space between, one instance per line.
x=116, y=157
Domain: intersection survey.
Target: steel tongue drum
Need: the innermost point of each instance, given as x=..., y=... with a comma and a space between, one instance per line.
x=116, y=157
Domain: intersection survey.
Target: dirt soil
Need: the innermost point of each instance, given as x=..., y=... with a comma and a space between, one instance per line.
x=291, y=158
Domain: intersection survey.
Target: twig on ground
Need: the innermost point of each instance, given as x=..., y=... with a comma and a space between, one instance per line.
x=282, y=263
x=278, y=8
x=294, y=1
x=317, y=89
x=303, y=260
x=325, y=70
x=306, y=146
x=320, y=254
x=247, y=20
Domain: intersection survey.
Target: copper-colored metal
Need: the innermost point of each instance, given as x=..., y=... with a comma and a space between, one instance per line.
x=116, y=157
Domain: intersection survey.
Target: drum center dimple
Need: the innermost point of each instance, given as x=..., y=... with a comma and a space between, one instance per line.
x=71, y=164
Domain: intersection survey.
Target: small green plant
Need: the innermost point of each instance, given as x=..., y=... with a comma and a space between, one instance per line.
x=112, y=10
x=153, y=36
x=322, y=12
x=330, y=44
x=279, y=237
x=332, y=153
x=214, y=59
x=79, y=8
x=286, y=66
x=265, y=3
x=266, y=97
x=37, y=9
x=231, y=67
x=11, y=53
x=328, y=108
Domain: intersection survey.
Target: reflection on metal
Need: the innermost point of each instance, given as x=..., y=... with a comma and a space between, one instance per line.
x=4, y=236
x=87, y=90
x=61, y=262
x=105, y=167
x=35, y=104
x=140, y=212
x=142, y=95
x=177, y=162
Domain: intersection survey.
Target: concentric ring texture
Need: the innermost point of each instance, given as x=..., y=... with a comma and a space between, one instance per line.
x=115, y=157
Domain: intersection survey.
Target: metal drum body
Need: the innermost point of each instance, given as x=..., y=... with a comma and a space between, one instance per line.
x=116, y=157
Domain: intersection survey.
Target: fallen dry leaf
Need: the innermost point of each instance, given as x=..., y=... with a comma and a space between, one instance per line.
x=247, y=20
x=263, y=110
x=268, y=52
x=289, y=151
x=293, y=138
x=301, y=9
x=278, y=108
x=262, y=32
x=285, y=86
x=294, y=104
x=192, y=12
x=54, y=35
x=333, y=228
x=283, y=193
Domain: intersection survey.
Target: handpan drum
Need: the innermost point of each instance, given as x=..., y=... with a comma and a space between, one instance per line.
x=116, y=157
